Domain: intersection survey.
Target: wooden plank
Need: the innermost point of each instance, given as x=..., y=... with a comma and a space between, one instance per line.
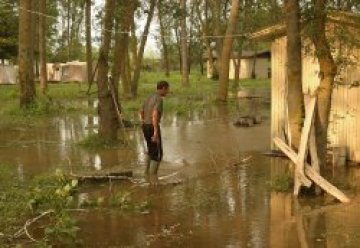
x=357, y=126
x=293, y=156
x=312, y=173
x=299, y=169
x=312, y=141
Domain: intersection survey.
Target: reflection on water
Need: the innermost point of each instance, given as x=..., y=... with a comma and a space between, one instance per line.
x=218, y=203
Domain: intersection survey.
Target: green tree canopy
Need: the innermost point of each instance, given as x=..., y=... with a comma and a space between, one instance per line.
x=8, y=29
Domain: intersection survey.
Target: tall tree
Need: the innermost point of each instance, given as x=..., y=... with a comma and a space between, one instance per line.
x=204, y=22
x=124, y=19
x=88, y=41
x=328, y=70
x=42, y=45
x=108, y=121
x=216, y=22
x=163, y=40
x=226, y=51
x=8, y=30
x=294, y=82
x=184, y=47
x=26, y=80
x=140, y=53
x=68, y=18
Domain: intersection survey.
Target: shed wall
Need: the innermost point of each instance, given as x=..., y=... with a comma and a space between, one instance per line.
x=246, y=66
x=344, y=126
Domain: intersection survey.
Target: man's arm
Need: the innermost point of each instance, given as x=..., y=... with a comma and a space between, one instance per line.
x=155, y=122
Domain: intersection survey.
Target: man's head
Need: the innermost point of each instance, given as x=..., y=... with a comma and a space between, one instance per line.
x=163, y=87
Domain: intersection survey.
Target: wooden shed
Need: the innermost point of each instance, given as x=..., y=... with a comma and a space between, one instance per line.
x=344, y=127
x=261, y=61
x=248, y=59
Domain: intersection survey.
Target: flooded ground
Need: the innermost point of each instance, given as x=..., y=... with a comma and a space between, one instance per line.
x=212, y=198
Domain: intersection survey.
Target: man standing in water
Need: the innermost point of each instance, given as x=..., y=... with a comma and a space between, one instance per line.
x=150, y=115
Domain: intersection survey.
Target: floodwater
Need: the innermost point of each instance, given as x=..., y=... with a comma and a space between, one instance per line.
x=218, y=193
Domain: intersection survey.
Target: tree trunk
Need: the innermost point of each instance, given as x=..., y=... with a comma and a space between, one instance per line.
x=42, y=46
x=226, y=51
x=237, y=66
x=253, y=69
x=89, y=62
x=133, y=45
x=125, y=81
x=327, y=74
x=68, y=18
x=140, y=54
x=117, y=58
x=216, y=9
x=108, y=121
x=295, y=97
x=26, y=80
x=184, y=48
x=35, y=41
x=205, y=30
x=163, y=40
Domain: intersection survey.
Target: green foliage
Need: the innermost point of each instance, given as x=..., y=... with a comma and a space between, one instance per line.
x=94, y=141
x=20, y=200
x=63, y=231
x=123, y=201
x=8, y=30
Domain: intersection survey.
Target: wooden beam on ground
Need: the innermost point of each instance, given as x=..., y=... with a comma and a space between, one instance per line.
x=299, y=168
x=312, y=173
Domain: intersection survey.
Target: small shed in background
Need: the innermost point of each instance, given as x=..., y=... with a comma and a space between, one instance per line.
x=248, y=59
x=74, y=71
x=8, y=74
x=261, y=61
x=344, y=126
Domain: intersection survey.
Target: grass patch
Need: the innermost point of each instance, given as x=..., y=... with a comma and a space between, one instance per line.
x=95, y=142
x=71, y=98
x=282, y=183
x=255, y=83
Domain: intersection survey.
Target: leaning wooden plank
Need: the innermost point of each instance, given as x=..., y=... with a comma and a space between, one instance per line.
x=299, y=169
x=312, y=147
x=293, y=156
x=312, y=140
x=325, y=185
x=312, y=174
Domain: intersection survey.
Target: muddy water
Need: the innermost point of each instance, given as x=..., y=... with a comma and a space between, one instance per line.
x=211, y=201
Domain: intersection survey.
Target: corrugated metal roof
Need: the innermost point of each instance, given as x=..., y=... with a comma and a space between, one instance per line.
x=278, y=30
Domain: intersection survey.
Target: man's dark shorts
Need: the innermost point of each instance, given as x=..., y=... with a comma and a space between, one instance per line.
x=155, y=150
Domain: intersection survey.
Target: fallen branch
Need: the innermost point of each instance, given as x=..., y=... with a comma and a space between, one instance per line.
x=106, y=177
x=168, y=176
x=29, y=222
